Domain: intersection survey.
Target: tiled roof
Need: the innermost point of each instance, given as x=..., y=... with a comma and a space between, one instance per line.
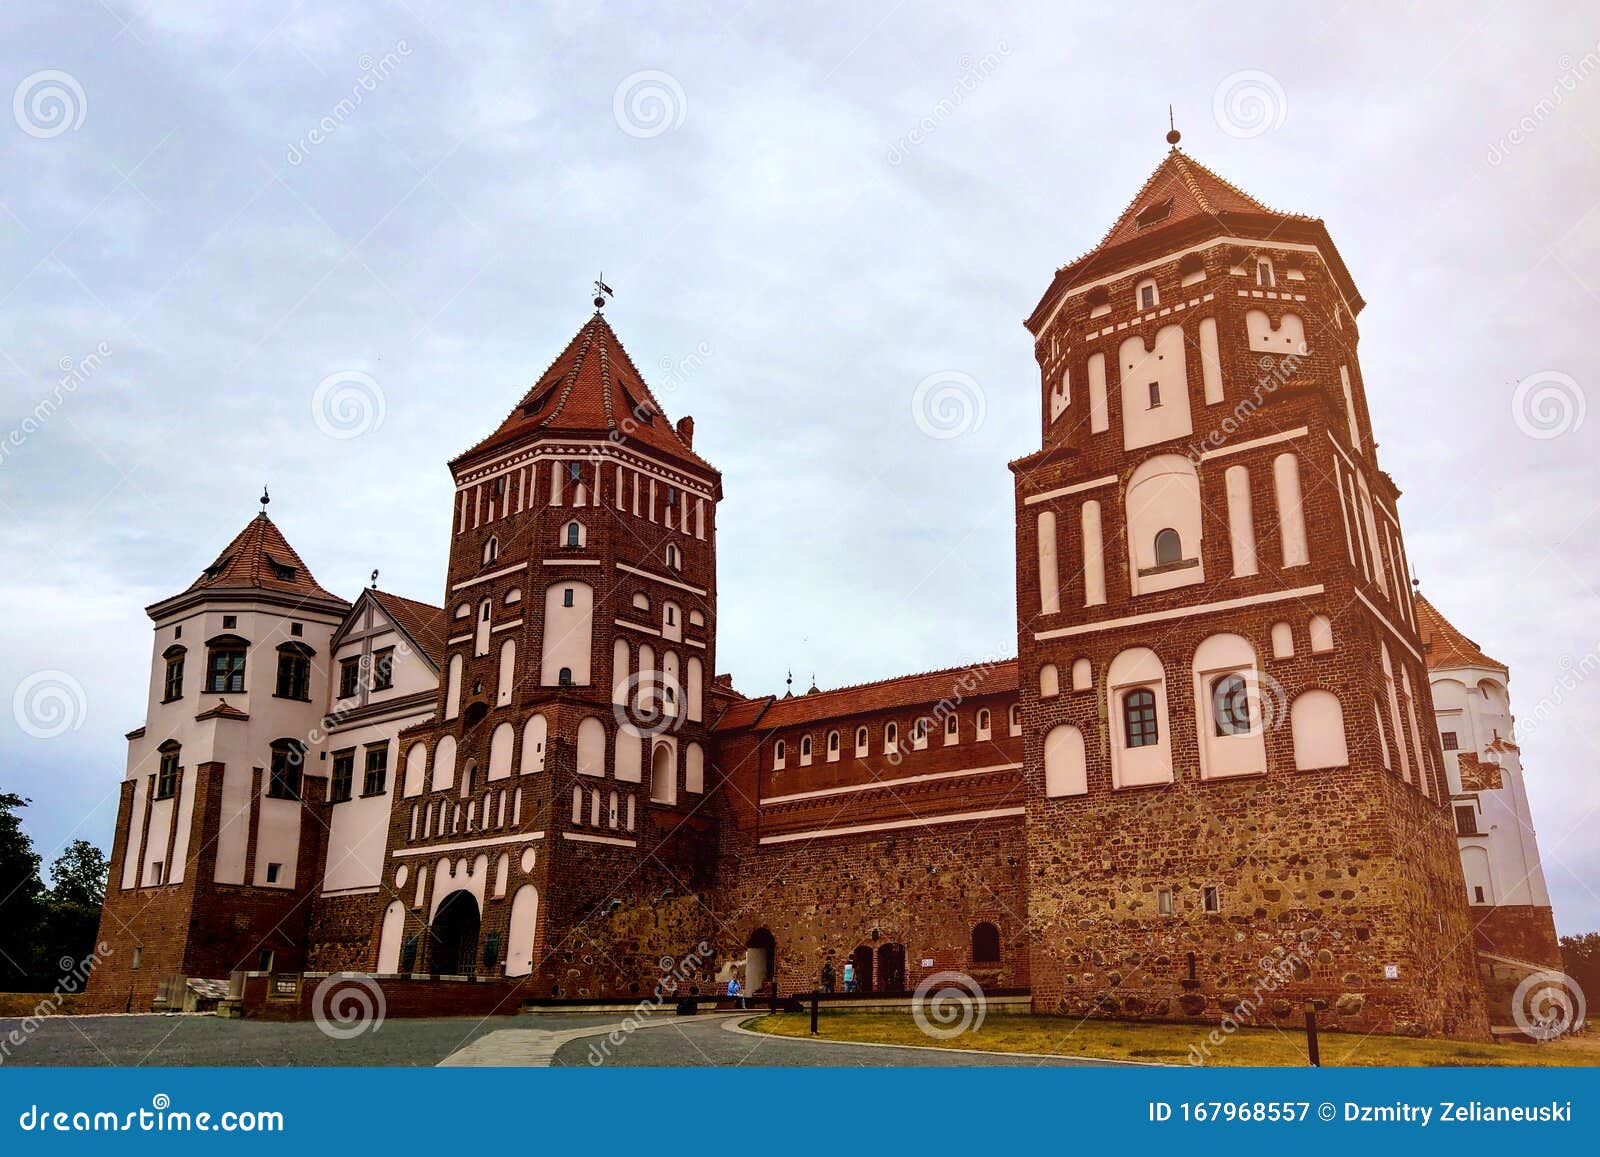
x=1179, y=190
x=593, y=387
x=917, y=690
x=1446, y=646
x=742, y=714
x=424, y=622
x=260, y=558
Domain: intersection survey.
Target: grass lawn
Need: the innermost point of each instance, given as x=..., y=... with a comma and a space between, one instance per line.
x=1172, y=1043
x=28, y=1003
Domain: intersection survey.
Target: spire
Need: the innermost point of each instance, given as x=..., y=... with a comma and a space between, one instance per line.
x=265, y=498
x=1173, y=135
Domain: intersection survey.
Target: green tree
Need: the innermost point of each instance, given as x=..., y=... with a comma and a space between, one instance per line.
x=22, y=904
x=79, y=875
x=1580, y=959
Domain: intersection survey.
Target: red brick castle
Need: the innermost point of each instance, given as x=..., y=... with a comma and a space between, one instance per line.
x=1211, y=776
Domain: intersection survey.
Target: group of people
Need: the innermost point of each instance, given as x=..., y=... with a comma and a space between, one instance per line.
x=735, y=990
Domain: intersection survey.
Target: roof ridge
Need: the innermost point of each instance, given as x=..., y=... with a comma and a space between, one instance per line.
x=907, y=677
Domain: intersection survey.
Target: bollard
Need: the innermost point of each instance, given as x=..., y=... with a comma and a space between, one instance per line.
x=1311, y=1035
x=815, y=999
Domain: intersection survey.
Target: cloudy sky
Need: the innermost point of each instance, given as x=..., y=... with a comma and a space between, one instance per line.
x=208, y=210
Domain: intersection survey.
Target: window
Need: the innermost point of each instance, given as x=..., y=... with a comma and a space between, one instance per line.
x=226, y=669
x=383, y=669
x=1169, y=547
x=138, y=956
x=673, y=559
x=1467, y=820
x=158, y=871
x=288, y=759
x=1477, y=894
x=273, y=872
x=344, y=772
x=574, y=534
x=779, y=755
x=1211, y=898
x=168, y=773
x=1164, y=901
x=1139, y=717
x=986, y=944
x=891, y=736
x=952, y=730
x=564, y=679
x=1264, y=275
x=983, y=722
x=349, y=676
x=1014, y=719
x=672, y=496
x=861, y=742
x=566, y=597
x=294, y=674
x=297, y=629
x=376, y=781
x=1451, y=743
x=575, y=471
x=1230, y=706
x=229, y=622
x=172, y=686
x=265, y=959
x=672, y=615
x=282, y=571
x=1148, y=297
x=1155, y=394
x=833, y=745
x=491, y=550
x=805, y=750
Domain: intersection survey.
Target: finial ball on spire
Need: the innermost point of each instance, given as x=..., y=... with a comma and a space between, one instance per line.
x=265, y=498
x=1173, y=135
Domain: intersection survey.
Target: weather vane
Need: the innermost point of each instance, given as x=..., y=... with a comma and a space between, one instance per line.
x=601, y=291
x=1173, y=135
x=265, y=498
x=374, y=578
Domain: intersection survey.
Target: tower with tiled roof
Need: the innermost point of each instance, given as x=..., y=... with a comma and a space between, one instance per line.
x=553, y=797
x=1226, y=700
x=1512, y=920
x=216, y=848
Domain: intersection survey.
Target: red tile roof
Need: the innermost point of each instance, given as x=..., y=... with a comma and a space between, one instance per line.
x=424, y=622
x=1180, y=190
x=1446, y=646
x=252, y=560
x=969, y=681
x=593, y=387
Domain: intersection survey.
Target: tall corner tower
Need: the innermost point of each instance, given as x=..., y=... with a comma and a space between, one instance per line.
x=215, y=855
x=1234, y=796
x=549, y=808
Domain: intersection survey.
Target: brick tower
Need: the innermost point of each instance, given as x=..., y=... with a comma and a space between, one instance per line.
x=542, y=828
x=1235, y=800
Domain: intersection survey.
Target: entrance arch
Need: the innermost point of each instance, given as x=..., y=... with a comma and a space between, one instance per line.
x=453, y=943
x=760, y=960
x=862, y=959
x=891, y=968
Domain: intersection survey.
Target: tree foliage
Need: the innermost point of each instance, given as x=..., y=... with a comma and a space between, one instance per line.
x=41, y=927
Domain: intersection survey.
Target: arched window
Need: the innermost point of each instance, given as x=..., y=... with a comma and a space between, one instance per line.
x=952, y=730
x=674, y=559
x=986, y=944
x=491, y=550
x=833, y=746
x=564, y=677
x=891, y=737
x=861, y=742
x=1049, y=681
x=983, y=722
x=1082, y=675
x=805, y=750
x=779, y=755
x=919, y=733
x=169, y=772
x=574, y=534
x=1014, y=719
x=1139, y=717
x=1230, y=706
x=1169, y=547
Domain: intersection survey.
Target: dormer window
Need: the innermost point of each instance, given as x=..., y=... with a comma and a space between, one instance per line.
x=282, y=571
x=1152, y=213
x=218, y=567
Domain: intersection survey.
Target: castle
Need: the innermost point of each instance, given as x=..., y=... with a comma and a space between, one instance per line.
x=1225, y=760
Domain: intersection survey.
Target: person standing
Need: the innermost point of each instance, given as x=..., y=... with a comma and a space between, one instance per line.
x=849, y=975
x=734, y=991
x=827, y=976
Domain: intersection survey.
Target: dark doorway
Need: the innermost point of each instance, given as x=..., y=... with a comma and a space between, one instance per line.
x=760, y=961
x=891, y=968
x=862, y=959
x=454, y=945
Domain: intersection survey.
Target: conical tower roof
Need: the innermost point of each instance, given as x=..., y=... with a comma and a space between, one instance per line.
x=260, y=558
x=1446, y=646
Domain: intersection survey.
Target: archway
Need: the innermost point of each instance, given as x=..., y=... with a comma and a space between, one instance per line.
x=760, y=960
x=891, y=968
x=862, y=959
x=454, y=941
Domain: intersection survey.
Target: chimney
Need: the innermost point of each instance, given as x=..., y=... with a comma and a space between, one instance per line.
x=686, y=430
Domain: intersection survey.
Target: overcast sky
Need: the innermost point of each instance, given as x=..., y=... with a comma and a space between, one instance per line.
x=207, y=210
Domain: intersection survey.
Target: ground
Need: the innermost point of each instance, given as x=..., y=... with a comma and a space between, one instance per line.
x=1182, y=1043
x=747, y=1039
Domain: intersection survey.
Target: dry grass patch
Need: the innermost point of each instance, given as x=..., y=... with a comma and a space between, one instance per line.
x=25, y=1004
x=1181, y=1043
